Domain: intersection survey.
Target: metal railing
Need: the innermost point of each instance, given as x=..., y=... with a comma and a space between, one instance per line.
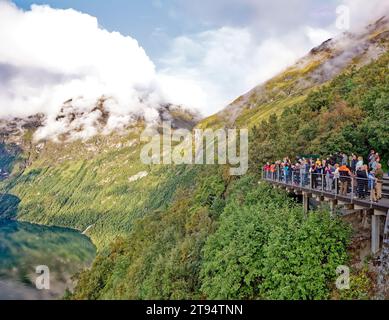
x=346, y=186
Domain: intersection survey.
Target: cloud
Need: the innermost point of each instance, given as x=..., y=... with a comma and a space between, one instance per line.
x=68, y=52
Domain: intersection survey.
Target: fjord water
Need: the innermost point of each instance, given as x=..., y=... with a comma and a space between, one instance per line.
x=24, y=246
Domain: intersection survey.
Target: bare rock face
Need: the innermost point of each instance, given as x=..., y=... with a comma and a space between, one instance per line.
x=82, y=122
x=13, y=129
x=179, y=117
x=326, y=46
x=16, y=143
x=69, y=113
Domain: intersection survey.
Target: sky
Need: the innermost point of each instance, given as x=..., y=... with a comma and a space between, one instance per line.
x=156, y=23
x=201, y=54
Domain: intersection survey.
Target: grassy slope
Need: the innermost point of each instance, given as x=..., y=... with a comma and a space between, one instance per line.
x=273, y=97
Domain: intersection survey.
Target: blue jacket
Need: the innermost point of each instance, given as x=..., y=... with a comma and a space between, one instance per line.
x=372, y=181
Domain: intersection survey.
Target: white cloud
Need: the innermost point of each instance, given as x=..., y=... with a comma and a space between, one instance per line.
x=60, y=54
x=48, y=56
x=317, y=36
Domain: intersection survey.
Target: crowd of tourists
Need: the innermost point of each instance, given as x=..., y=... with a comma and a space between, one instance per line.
x=338, y=173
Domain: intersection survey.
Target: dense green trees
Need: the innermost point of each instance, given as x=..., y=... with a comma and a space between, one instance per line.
x=161, y=257
x=265, y=248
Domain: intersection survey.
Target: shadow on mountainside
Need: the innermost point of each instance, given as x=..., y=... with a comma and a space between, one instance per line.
x=9, y=156
x=9, y=205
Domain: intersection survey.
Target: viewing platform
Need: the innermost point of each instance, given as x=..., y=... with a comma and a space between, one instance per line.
x=347, y=194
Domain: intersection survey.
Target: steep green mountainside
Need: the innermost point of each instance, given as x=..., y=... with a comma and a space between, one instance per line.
x=195, y=232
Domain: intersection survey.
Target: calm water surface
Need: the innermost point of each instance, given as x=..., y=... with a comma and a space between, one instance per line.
x=24, y=246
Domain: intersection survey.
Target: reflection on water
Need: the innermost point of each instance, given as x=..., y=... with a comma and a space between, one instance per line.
x=25, y=246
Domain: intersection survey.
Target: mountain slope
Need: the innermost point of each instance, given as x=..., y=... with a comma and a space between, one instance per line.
x=99, y=184
x=195, y=232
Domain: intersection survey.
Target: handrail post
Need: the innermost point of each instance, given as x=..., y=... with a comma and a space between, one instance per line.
x=322, y=182
x=301, y=179
x=292, y=182
x=311, y=182
x=352, y=188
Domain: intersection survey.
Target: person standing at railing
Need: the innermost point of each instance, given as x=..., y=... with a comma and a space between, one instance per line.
x=373, y=164
x=286, y=172
x=320, y=172
x=344, y=159
x=290, y=173
x=297, y=175
x=329, y=176
x=307, y=170
x=267, y=170
x=302, y=172
x=336, y=178
x=379, y=174
x=354, y=162
x=372, y=186
x=362, y=178
x=314, y=175
x=345, y=178
x=273, y=171
x=278, y=170
x=360, y=164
